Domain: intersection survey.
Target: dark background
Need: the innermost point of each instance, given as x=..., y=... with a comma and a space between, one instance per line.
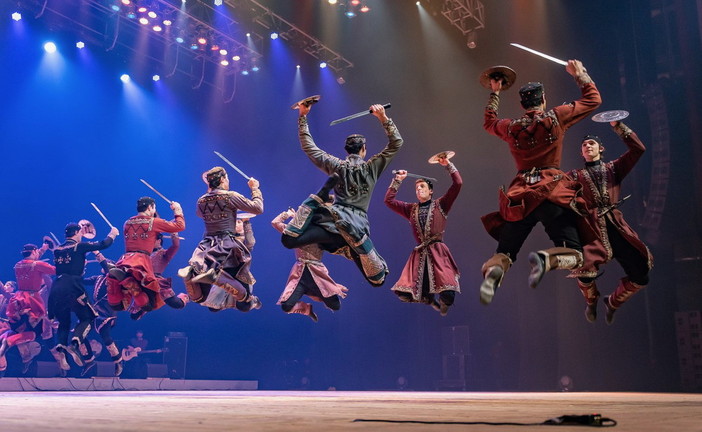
x=73, y=133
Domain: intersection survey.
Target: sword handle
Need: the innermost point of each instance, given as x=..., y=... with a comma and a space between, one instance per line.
x=386, y=106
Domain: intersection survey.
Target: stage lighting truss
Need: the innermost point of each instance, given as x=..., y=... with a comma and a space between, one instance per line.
x=185, y=27
x=466, y=15
x=267, y=21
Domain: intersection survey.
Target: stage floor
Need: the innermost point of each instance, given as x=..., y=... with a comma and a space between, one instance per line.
x=330, y=411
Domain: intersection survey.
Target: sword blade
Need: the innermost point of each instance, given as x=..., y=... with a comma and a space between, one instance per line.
x=155, y=191
x=53, y=236
x=357, y=115
x=432, y=179
x=546, y=56
x=232, y=165
x=102, y=215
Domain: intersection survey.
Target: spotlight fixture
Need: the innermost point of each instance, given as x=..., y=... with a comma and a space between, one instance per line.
x=244, y=72
x=255, y=69
x=80, y=45
x=332, y=2
x=152, y=14
x=274, y=35
x=16, y=16
x=50, y=47
x=156, y=77
x=143, y=21
x=125, y=78
x=224, y=62
x=323, y=65
x=218, y=2
x=157, y=28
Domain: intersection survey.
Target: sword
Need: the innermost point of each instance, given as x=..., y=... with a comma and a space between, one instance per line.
x=55, y=239
x=546, y=56
x=433, y=180
x=608, y=209
x=101, y=214
x=232, y=165
x=357, y=115
x=154, y=189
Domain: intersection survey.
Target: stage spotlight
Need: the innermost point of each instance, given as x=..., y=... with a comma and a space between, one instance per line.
x=418, y=3
x=131, y=15
x=80, y=45
x=142, y=9
x=152, y=14
x=332, y=2
x=244, y=72
x=16, y=16
x=236, y=58
x=298, y=66
x=156, y=77
x=248, y=35
x=364, y=9
x=223, y=51
x=224, y=62
x=218, y=2
x=255, y=68
x=355, y=2
x=125, y=78
x=194, y=46
x=350, y=14
x=157, y=28
x=167, y=22
x=202, y=41
x=274, y=35
x=126, y=2
x=115, y=7
x=143, y=21
x=50, y=47
x=179, y=39
x=323, y=65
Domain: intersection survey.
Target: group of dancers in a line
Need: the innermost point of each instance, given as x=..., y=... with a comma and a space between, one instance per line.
x=578, y=209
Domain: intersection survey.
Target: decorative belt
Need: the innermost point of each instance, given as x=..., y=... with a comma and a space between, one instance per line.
x=220, y=233
x=138, y=251
x=533, y=175
x=436, y=238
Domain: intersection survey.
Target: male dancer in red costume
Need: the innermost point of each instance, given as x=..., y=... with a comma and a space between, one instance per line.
x=132, y=278
x=430, y=268
x=616, y=239
x=540, y=192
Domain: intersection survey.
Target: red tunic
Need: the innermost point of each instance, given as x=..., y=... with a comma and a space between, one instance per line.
x=139, y=238
x=431, y=253
x=601, y=195
x=32, y=276
x=536, y=141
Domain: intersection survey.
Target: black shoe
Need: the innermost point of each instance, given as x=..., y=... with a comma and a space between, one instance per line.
x=591, y=312
x=136, y=316
x=87, y=368
x=609, y=315
x=538, y=269
x=118, y=273
x=490, y=284
x=74, y=354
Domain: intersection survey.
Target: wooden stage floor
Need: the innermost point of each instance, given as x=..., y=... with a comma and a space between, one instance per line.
x=203, y=411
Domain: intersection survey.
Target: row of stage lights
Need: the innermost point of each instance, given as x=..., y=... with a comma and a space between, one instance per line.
x=201, y=41
x=50, y=47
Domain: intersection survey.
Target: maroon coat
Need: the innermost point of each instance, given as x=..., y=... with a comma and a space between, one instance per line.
x=536, y=141
x=443, y=272
x=601, y=195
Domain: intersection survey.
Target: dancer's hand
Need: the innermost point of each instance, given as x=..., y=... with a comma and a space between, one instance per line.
x=379, y=111
x=400, y=175
x=253, y=183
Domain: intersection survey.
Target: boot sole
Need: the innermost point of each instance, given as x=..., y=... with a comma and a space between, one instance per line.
x=537, y=269
x=489, y=285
